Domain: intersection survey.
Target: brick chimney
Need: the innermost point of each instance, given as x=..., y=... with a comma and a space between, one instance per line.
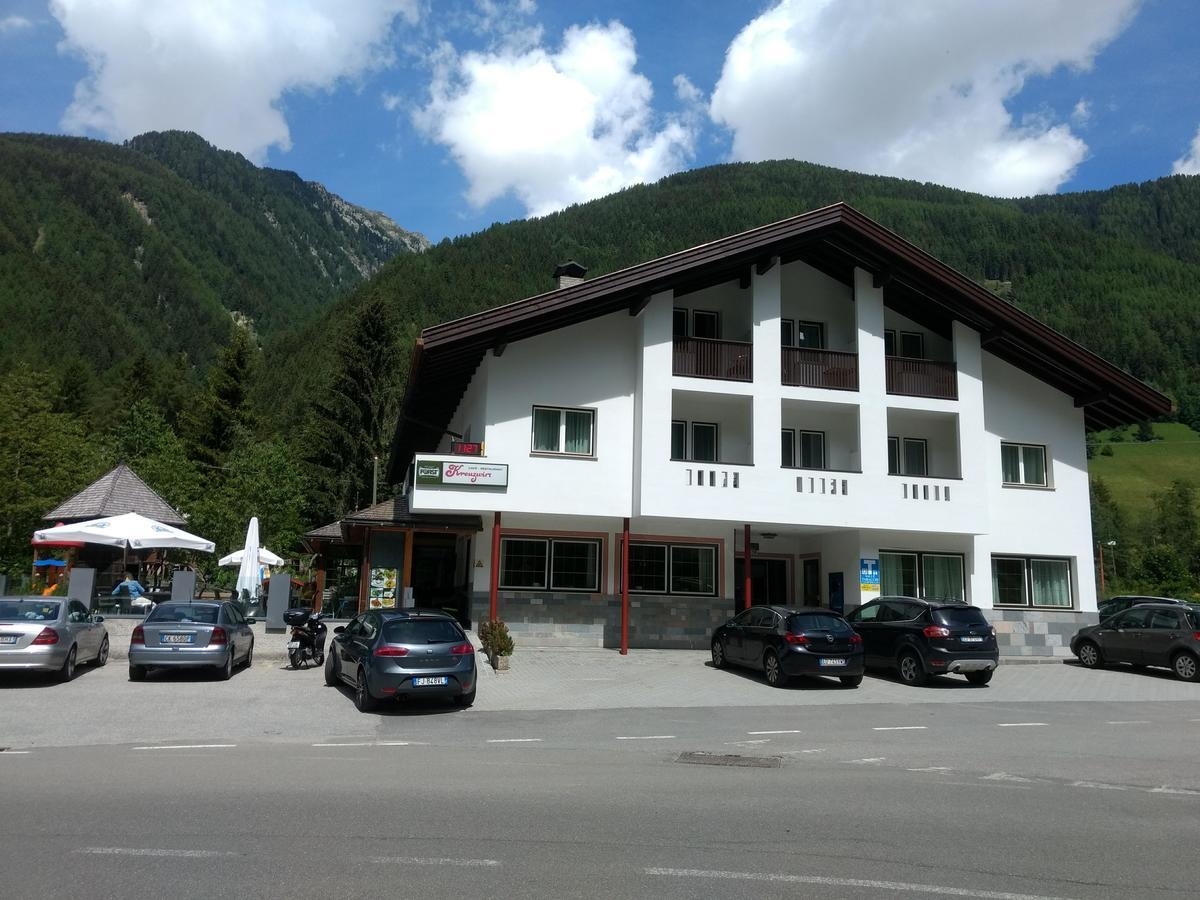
x=569, y=274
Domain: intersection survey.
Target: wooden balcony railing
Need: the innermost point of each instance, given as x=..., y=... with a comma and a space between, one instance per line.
x=805, y=367
x=922, y=378
x=708, y=358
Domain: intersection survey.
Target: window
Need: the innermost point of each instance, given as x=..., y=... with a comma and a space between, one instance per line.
x=558, y=563
x=893, y=456
x=565, y=431
x=1165, y=619
x=704, y=441
x=810, y=334
x=679, y=322
x=812, y=449
x=679, y=439
x=912, y=344
x=1023, y=464
x=787, y=333
x=934, y=575
x=889, y=342
x=1025, y=581
x=673, y=568
x=915, y=452
x=706, y=324
x=787, y=456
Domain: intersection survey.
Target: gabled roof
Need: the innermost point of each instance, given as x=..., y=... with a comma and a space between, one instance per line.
x=394, y=512
x=120, y=491
x=835, y=239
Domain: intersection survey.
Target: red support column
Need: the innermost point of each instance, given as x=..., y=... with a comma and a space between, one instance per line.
x=625, y=589
x=495, y=585
x=746, y=599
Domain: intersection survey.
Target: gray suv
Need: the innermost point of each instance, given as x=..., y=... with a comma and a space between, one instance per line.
x=1146, y=634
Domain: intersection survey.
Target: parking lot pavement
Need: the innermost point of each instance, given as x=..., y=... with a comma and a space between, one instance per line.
x=270, y=701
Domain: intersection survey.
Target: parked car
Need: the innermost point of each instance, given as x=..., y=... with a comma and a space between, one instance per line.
x=919, y=638
x=1146, y=634
x=783, y=642
x=1114, y=605
x=390, y=654
x=191, y=634
x=50, y=634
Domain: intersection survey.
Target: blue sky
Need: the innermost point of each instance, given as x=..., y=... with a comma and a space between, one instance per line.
x=449, y=115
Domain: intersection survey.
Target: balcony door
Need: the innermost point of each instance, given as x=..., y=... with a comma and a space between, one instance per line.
x=768, y=582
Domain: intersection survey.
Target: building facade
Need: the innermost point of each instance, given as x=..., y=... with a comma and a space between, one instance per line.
x=814, y=412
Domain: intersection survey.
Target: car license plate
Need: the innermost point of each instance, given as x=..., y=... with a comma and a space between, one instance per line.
x=176, y=638
x=293, y=645
x=8, y=638
x=430, y=681
x=972, y=640
x=832, y=662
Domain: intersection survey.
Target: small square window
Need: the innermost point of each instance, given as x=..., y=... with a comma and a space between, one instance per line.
x=570, y=432
x=1023, y=464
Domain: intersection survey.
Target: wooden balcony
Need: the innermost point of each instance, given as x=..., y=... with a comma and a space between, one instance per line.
x=833, y=369
x=708, y=358
x=922, y=378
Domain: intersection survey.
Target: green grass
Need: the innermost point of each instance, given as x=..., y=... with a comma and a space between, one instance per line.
x=1136, y=470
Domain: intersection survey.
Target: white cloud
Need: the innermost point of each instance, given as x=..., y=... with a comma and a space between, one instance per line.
x=916, y=90
x=1082, y=113
x=553, y=128
x=1189, y=163
x=217, y=67
x=14, y=23
x=391, y=102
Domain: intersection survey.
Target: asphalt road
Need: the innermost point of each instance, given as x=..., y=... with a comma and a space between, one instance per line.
x=1032, y=799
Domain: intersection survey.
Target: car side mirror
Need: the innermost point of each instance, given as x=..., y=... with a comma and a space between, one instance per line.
x=97, y=618
x=341, y=629
x=250, y=620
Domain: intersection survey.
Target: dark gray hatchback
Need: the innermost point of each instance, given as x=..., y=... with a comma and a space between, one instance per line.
x=389, y=654
x=1146, y=634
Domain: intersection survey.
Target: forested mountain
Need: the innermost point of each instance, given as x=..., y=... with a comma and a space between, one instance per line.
x=151, y=250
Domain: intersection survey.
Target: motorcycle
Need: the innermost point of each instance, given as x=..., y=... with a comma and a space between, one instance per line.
x=306, y=643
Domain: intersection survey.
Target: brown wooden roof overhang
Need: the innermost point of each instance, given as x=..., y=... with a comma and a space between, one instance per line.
x=835, y=239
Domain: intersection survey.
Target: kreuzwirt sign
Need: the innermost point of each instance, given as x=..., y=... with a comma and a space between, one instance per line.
x=462, y=474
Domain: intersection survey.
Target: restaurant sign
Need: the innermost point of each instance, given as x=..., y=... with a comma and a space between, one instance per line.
x=462, y=474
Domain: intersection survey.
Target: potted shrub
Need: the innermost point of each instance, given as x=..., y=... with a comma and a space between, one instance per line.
x=497, y=643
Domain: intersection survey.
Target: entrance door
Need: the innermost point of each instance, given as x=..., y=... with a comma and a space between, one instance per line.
x=768, y=582
x=810, y=582
x=433, y=566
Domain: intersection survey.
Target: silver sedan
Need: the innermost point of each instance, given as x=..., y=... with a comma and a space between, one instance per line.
x=191, y=634
x=50, y=634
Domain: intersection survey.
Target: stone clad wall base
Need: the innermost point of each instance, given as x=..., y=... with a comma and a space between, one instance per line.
x=538, y=619
x=1037, y=632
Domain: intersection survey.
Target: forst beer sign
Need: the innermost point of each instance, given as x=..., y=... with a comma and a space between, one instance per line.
x=462, y=474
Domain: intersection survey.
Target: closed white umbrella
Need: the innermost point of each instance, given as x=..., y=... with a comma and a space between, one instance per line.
x=265, y=558
x=130, y=530
x=249, y=578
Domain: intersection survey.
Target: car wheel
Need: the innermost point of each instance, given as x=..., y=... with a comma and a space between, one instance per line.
x=331, y=674
x=465, y=700
x=102, y=656
x=137, y=673
x=910, y=668
x=362, y=693
x=773, y=670
x=1184, y=666
x=1089, y=655
x=67, y=672
x=851, y=680
x=718, y=654
x=225, y=671
x=980, y=677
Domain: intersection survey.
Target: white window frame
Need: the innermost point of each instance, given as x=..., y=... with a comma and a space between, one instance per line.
x=1021, y=448
x=786, y=460
x=1027, y=565
x=562, y=431
x=920, y=567
x=548, y=567
x=716, y=429
x=801, y=324
x=668, y=549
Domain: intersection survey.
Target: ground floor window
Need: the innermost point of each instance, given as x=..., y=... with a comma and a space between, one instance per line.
x=1032, y=581
x=561, y=564
x=934, y=575
x=672, y=568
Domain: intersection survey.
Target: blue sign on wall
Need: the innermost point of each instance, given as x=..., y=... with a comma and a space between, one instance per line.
x=868, y=576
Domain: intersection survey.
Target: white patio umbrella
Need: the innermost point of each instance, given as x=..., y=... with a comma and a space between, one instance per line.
x=265, y=558
x=131, y=530
x=249, y=573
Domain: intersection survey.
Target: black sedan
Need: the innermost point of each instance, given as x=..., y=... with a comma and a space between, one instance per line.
x=784, y=642
x=390, y=654
x=1147, y=634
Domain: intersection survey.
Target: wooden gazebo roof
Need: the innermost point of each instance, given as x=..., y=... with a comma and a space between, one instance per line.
x=120, y=491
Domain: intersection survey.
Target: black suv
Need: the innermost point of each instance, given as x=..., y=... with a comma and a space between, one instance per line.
x=919, y=638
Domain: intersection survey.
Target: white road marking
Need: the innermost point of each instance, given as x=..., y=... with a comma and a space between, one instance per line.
x=432, y=861
x=1171, y=790
x=1004, y=776
x=932, y=769
x=147, y=851
x=648, y=737
x=775, y=732
x=15, y=752
x=1099, y=785
x=901, y=728
x=944, y=890
x=188, y=747
x=1018, y=724
x=400, y=743
x=865, y=760
x=514, y=740
x=1130, y=722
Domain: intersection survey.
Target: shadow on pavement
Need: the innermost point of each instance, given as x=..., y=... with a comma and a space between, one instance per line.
x=24, y=680
x=404, y=707
x=1128, y=669
x=797, y=682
